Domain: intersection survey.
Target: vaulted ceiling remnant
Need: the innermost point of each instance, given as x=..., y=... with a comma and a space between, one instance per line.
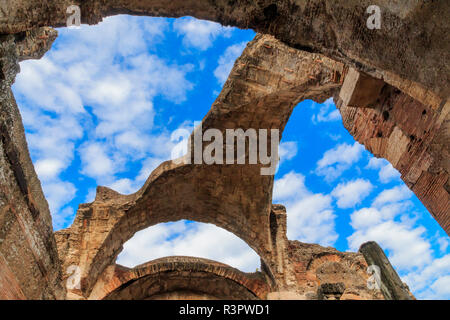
x=391, y=86
x=188, y=275
x=259, y=93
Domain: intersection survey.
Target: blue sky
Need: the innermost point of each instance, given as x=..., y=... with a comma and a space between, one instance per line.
x=100, y=109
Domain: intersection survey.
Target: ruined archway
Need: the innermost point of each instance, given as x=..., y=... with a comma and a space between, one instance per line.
x=240, y=201
x=418, y=78
x=188, y=276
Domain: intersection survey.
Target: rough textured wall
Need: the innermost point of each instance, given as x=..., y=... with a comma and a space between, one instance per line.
x=414, y=41
x=177, y=275
x=320, y=274
x=413, y=135
x=29, y=263
x=327, y=274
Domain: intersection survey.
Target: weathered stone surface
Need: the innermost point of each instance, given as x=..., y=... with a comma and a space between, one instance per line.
x=29, y=263
x=391, y=285
x=320, y=271
x=410, y=51
x=413, y=41
x=359, y=89
x=230, y=196
x=179, y=275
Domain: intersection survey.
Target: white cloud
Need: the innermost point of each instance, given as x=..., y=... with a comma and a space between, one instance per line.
x=311, y=220
x=335, y=161
x=327, y=113
x=63, y=217
x=290, y=185
x=189, y=239
x=226, y=61
x=287, y=150
x=443, y=243
x=90, y=196
x=405, y=242
x=395, y=194
x=48, y=168
x=124, y=186
x=58, y=194
x=387, y=172
x=351, y=193
x=407, y=246
x=199, y=34
x=96, y=87
x=95, y=160
x=148, y=166
x=388, y=222
x=310, y=217
x=432, y=282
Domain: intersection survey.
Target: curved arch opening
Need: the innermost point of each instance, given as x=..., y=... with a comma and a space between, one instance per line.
x=188, y=238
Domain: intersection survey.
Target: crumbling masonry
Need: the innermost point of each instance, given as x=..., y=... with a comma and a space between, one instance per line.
x=391, y=86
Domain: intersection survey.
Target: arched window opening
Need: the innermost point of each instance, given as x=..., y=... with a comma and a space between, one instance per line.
x=188, y=238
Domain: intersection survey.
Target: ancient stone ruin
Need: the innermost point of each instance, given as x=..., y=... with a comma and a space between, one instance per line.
x=391, y=86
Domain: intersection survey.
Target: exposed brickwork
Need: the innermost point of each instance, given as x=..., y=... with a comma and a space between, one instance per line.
x=414, y=137
x=318, y=268
x=117, y=279
x=29, y=260
x=412, y=43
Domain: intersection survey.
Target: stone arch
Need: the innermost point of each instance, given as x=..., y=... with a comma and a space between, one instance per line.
x=166, y=275
x=333, y=29
x=417, y=65
x=234, y=197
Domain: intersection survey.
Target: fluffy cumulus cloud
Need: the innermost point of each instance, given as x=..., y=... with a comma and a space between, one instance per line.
x=327, y=112
x=199, y=34
x=351, y=193
x=389, y=222
x=287, y=150
x=189, y=239
x=394, y=195
x=77, y=96
x=310, y=217
x=433, y=281
x=335, y=161
x=289, y=186
x=386, y=172
x=226, y=61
